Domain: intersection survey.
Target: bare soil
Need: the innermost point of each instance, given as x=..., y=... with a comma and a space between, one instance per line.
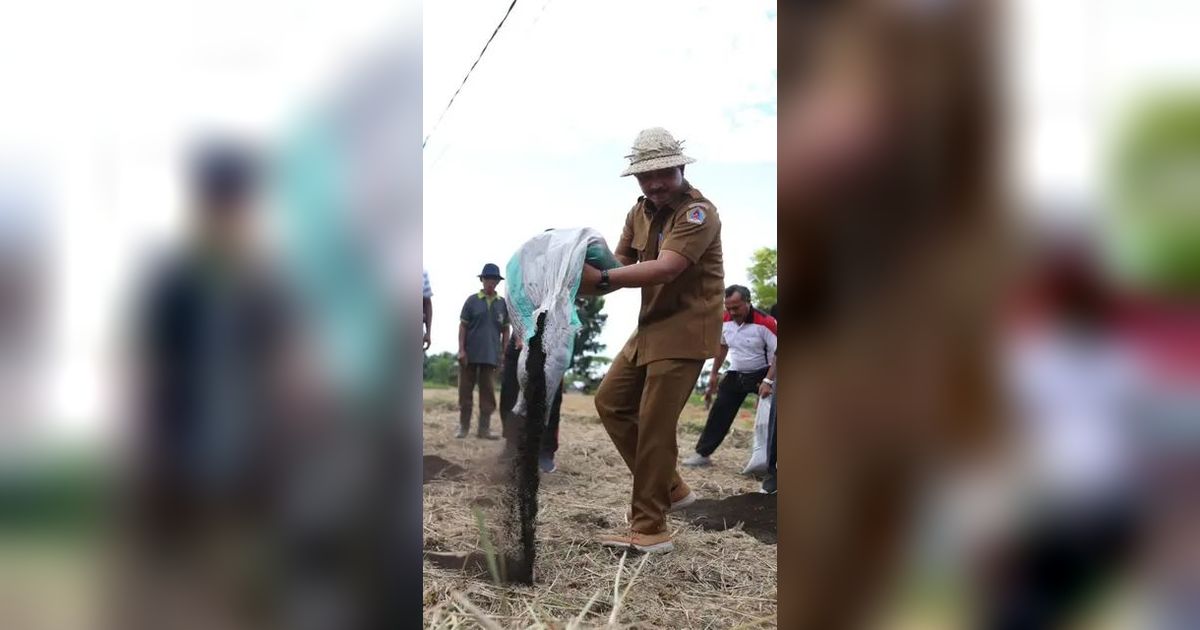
x=754, y=513
x=721, y=574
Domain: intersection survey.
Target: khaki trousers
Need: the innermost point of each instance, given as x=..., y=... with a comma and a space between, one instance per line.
x=640, y=408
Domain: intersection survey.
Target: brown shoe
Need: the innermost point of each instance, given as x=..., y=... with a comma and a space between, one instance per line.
x=645, y=543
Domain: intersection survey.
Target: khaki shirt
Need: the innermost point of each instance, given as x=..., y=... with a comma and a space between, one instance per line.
x=681, y=319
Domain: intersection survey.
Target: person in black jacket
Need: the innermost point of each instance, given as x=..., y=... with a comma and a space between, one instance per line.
x=510, y=386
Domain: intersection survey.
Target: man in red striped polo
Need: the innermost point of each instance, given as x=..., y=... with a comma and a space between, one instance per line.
x=748, y=339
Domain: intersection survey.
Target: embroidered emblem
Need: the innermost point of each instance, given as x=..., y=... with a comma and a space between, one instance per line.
x=696, y=215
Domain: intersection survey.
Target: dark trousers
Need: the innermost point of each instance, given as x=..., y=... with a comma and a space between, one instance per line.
x=468, y=377
x=1058, y=564
x=510, y=386
x=731, y=393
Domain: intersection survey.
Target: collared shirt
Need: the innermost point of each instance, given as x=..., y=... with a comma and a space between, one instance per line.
x=751, y=344
x=681, y=319
x=486, y=318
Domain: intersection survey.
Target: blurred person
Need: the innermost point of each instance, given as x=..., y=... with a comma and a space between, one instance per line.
x=426, y=309
x=1075, y=391
x=1155, y=237
x=897, y=248
x=510, y=387
x=670, y=248
x=349, y=181
x=482, y=337
x=213, y=349
x=748, y=338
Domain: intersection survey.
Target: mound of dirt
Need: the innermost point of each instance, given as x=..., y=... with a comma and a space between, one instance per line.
x=756, y=512
x=434, y=467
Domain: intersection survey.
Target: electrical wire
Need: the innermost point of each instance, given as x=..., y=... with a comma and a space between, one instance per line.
x=468, y=75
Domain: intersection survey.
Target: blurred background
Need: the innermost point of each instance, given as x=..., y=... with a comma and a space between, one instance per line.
x=185, y=188
x=991, y=281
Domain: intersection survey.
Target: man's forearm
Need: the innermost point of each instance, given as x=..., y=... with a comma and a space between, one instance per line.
x=718, y=361
x=646, y=274
x=462, y=337
x=641, y=275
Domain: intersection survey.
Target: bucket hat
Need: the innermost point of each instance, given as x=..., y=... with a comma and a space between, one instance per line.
x=655, y=149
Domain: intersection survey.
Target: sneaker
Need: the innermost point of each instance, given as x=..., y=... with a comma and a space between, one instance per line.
x=462, y=433
x=681, y=497
x=546, y=462
x=769, y=485
x=697, y=460
x=487, y=435
x=645, y=543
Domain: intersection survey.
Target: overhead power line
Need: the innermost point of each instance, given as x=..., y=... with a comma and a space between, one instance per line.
x=468, y=75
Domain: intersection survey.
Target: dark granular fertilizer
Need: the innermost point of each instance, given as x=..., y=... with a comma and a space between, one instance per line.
x=521, y=498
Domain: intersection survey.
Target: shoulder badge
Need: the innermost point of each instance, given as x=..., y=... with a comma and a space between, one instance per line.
x=695, y=214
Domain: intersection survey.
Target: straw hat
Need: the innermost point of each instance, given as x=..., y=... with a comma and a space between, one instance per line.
x=655, y=149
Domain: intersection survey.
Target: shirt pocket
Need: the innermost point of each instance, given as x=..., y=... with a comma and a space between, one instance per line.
x=640, y=242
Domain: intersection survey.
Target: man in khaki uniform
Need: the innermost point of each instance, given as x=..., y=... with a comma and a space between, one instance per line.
x=671, y=249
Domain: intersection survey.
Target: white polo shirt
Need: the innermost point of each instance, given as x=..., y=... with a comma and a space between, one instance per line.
x=752, y=344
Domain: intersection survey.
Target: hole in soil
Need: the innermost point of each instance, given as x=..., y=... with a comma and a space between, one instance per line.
x=756, y=512
x=434, y=467
x=475, y=564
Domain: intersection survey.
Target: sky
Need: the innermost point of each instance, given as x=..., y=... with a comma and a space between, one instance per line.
x=98, y=99
x=537, y=137
x=99, y=96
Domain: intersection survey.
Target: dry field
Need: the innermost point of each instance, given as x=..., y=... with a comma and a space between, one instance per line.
x=713, y=579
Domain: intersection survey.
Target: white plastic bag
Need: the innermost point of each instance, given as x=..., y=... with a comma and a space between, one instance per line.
x=762, y=433
x=544, y=277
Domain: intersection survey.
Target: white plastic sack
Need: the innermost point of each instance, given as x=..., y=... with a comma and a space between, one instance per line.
x=762, y=433
x=544, y=277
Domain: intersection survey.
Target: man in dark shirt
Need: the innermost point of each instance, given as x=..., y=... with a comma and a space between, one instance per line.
x=482, y=335
x=213, y=353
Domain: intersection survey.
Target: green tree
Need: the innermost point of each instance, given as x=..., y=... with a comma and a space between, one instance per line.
x=587, y=358
x=441, y=369
x=1154, y=227
x=763, y=272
